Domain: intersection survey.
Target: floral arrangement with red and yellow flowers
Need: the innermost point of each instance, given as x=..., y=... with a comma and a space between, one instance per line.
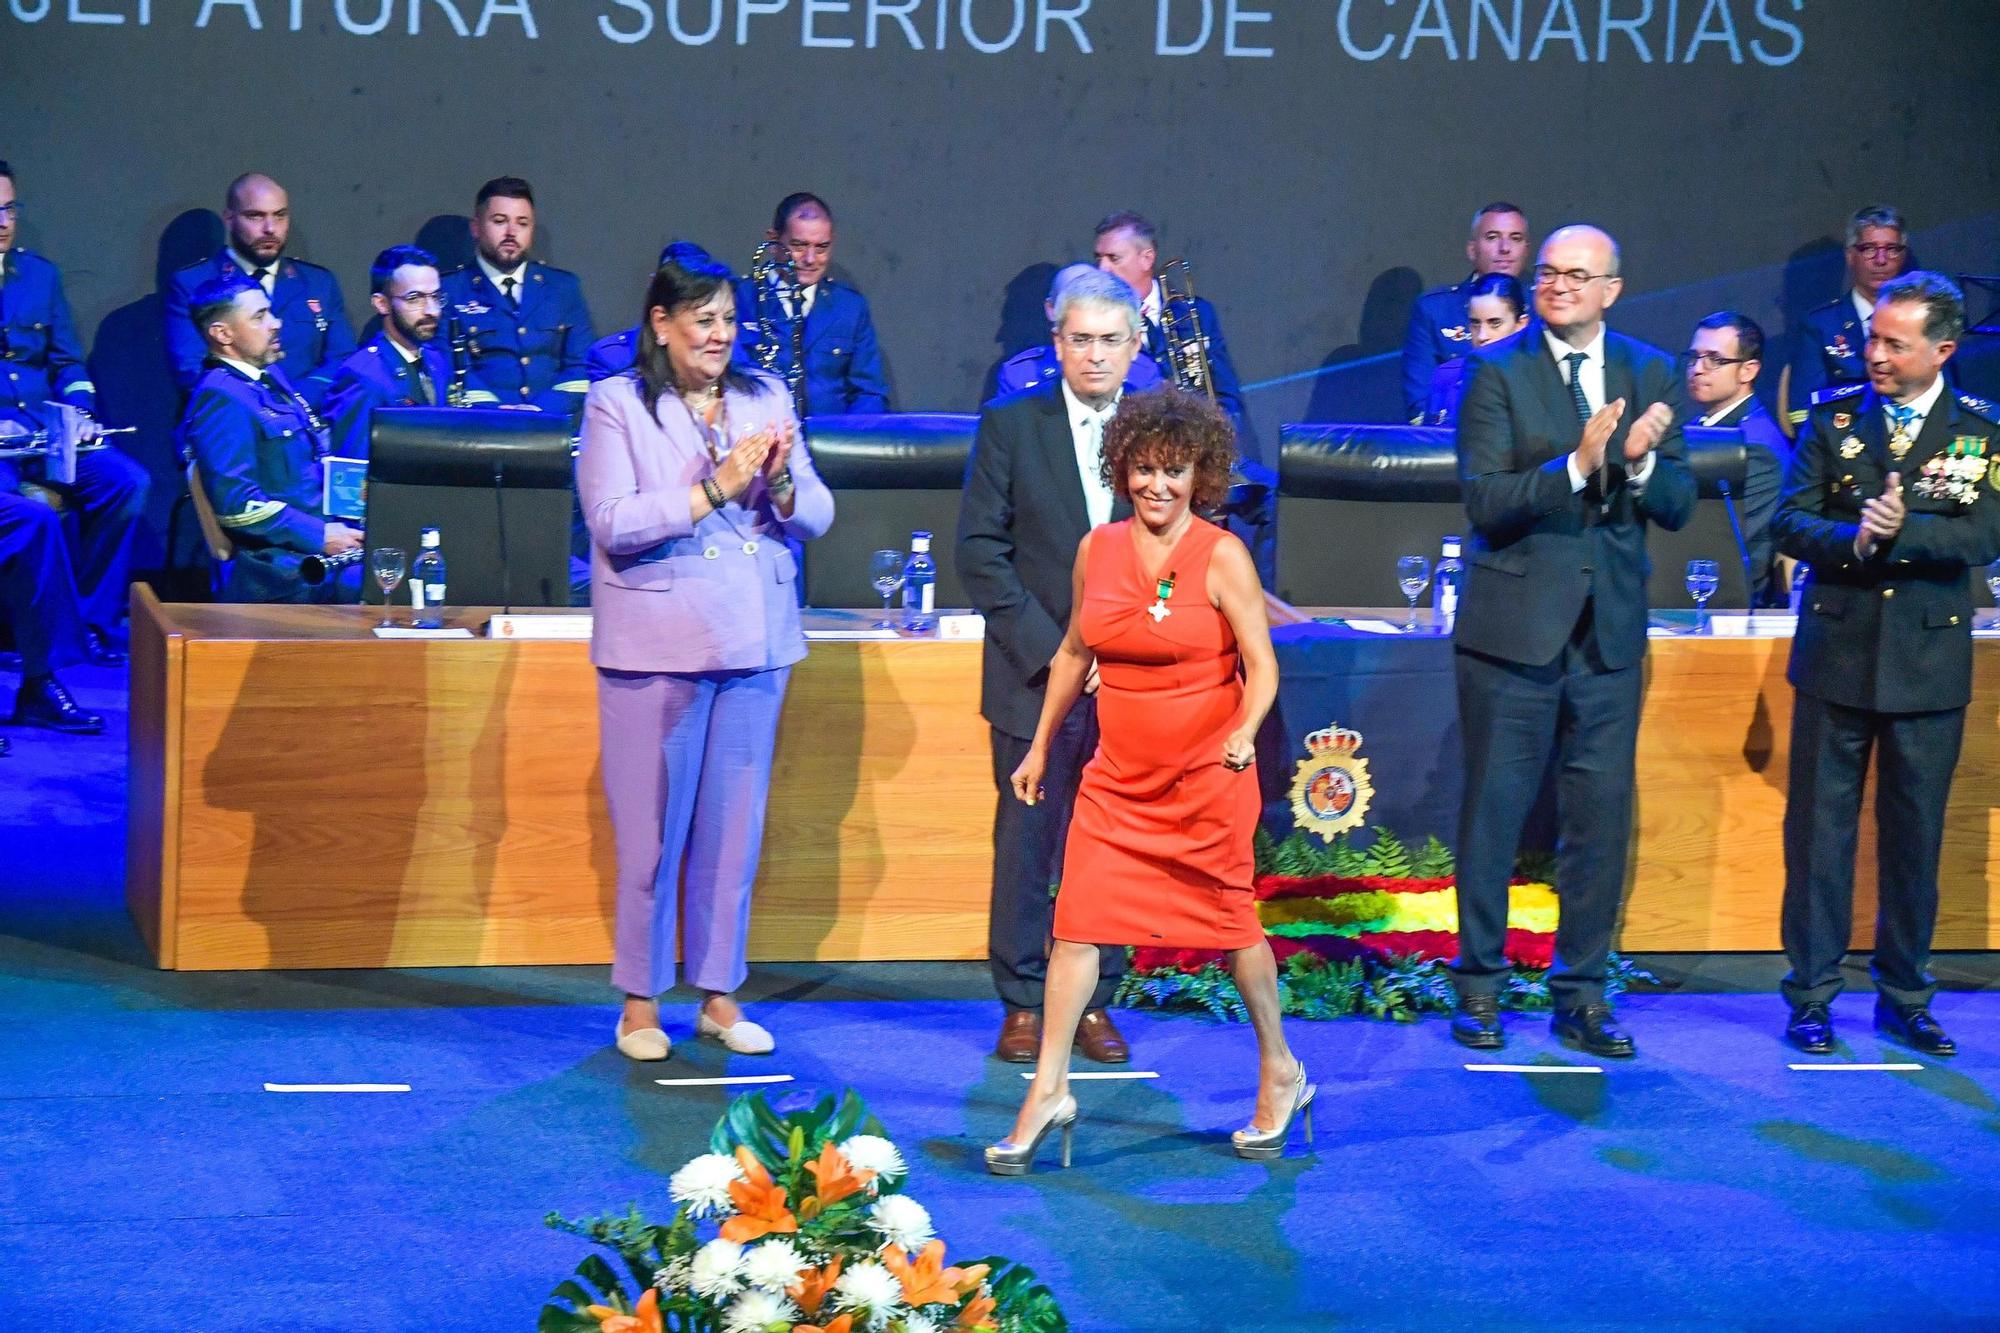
x=792, y=1222
x=1362, y=929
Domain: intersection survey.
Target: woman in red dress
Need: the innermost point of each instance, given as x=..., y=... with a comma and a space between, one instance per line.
x=1170, y=615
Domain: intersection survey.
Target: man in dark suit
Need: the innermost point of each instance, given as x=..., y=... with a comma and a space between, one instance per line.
x=1894, y=498
x=1568, y=446
x=304, y=297
x=1722, y=362
x=1032, y=492
x=1127, y=247
x=1440, y=326
x=843, y=361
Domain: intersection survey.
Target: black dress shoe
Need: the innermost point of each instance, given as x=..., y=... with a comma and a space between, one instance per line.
x=43, y=702
x=100, y=649
x=1912, y=1025
x=1476, y=1023
x=1811, y=1028
x=1591, y=1029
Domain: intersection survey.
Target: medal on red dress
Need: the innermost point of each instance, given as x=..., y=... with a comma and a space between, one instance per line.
x=1159, y=610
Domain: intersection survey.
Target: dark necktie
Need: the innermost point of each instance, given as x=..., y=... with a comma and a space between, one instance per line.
x=263, y=276
x=1582, y=404
x=421, y=392
x=507, y=286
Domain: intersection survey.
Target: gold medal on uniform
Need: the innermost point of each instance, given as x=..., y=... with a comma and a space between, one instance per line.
x=1159, y=610
x=1851, y=447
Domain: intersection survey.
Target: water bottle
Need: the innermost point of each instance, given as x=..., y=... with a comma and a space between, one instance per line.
x=919, y=585
x=1800, y=574
x=1447, y=580
x=427, y=583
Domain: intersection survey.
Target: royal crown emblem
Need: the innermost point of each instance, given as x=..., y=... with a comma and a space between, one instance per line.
x=1331, y=788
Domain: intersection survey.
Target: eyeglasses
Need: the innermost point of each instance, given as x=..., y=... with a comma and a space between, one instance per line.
x=1710, y=360
x=12, y=210
x=420, y=300
x=1565, y=279
x=1110, y=342
x=1890, y=251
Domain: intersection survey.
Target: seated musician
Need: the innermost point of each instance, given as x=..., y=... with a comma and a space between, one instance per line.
x=257, y=447
x=401, y=366
x=1495, y=308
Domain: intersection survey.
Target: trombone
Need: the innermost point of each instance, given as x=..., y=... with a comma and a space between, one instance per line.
x=1180, y=327
x=773, y=278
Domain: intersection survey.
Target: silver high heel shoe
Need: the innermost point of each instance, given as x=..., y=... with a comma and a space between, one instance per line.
x=1007, y=1158
x=1258, y=1145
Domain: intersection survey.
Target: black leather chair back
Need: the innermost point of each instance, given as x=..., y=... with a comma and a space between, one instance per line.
x=1352, y=498
x=892, y=474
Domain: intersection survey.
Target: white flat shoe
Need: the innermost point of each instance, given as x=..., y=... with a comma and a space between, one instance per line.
x=642, y=1043
x=742, y=1036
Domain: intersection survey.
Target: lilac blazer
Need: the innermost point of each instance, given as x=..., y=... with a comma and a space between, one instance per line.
x=670, y=594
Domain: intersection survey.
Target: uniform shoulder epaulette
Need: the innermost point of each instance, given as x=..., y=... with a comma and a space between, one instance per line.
x=203, y=262
x=455, y=270
x=1835, y=393
x=1834, y=304
x=1979, y=407
x=307, y=263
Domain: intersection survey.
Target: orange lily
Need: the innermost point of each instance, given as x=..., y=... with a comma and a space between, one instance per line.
x=645, y=1316
x=760, y=1203
x=841, y=1325
x=835, y=1178
x=813, y=1286
x=977, y=1314
x=926, y=1281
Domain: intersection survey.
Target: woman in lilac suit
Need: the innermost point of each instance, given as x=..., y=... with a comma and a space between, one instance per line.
x=691, y=477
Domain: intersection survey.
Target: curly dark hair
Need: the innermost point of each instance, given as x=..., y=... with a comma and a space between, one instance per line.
x=1171, y=427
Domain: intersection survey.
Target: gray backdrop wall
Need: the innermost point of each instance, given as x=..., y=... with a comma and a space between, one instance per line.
x=1316, y=159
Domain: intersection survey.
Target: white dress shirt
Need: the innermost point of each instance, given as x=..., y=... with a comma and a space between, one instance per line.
x=254, y=372
x=1591, y=376
x=1862, y=307
x=1086, y=433
x=1719, y=413
x=269, y=282
x=1921, y=405
x=806, y=297
x=518, y=275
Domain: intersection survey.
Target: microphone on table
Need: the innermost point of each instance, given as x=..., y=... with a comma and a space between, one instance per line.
x=500, y=524
x=1742, y=547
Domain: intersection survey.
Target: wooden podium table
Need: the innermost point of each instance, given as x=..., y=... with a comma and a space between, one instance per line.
x=304, y=794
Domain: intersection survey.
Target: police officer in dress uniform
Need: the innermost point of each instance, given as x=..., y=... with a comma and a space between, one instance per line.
x=1439, y=327
x=401, y=366
x=41, y=364
x=1495, y=308
x=526, y=320
x=1894, y=498
x=304, y=297
x=1721, y=365
x=257, y=446
x=843, y=370
x=1040, y=364
x=1830, y=353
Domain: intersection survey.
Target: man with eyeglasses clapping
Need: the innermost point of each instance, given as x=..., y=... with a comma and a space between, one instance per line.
x=1832, y=348
x=401, y=366
x=1569, y=446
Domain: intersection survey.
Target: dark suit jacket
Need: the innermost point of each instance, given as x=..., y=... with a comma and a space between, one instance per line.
x=1539, y=551
x=1766, y=455
x=1893, y=633
x=1019, y=523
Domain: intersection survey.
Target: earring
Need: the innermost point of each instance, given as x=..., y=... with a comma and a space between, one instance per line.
x=660, y=338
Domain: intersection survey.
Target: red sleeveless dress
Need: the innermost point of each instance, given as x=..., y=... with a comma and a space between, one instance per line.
x=1159, y=849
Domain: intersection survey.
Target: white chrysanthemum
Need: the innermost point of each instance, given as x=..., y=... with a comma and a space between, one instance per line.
x=675, y=1275
x=755, y=1311
x=901, y=1221
x=917, y=1322
x=717, y=1270
x=773, y=1265
x=872, y=1152
x=870, y=1291
x=704, y=1184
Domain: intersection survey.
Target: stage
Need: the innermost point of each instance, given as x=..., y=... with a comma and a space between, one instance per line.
x=308, y=795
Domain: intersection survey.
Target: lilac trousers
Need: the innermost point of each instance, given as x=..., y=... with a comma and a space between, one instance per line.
x=687, y=771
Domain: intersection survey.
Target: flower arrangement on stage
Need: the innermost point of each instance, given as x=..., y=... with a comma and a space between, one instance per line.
x=792, y=1222
x=1361, y=930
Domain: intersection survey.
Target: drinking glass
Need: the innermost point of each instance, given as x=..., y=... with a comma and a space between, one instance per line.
x=390, y=564
x=1703, y=577
x=1413, y=572
x=885, y=571
x=1993, y=581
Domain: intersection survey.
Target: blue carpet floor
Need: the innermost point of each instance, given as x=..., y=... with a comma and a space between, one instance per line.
x=147, y=1180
